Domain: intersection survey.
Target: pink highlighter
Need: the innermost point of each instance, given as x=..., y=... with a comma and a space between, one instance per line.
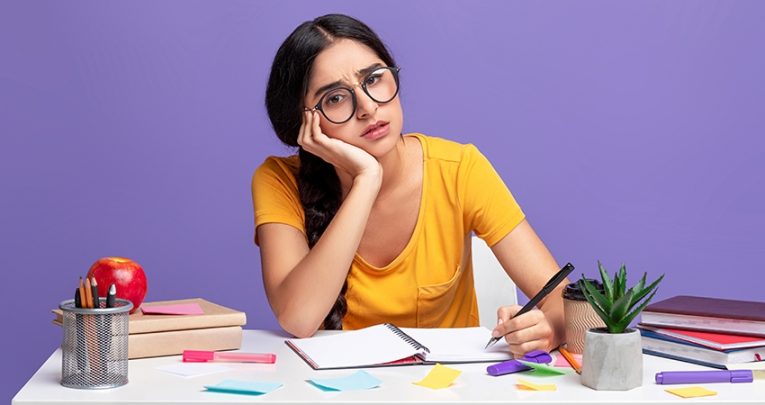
x=203, y=356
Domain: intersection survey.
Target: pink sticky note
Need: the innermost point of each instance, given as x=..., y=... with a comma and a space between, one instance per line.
x=176, y=309
x=560, y=361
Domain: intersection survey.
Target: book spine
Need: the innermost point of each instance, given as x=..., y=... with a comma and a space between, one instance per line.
x=171, y=323
x=718, y=325
x=175, y=342
x=408, y=339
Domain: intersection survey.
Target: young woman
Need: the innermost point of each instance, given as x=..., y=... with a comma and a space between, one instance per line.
x=365, y=225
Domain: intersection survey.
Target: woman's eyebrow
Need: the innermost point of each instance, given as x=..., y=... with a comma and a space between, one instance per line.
x=361, y=73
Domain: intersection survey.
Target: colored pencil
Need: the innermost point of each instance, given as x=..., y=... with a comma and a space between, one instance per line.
x=88, y=294
x=571, y=360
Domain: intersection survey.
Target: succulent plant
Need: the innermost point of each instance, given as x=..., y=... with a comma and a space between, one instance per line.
x=617, y=305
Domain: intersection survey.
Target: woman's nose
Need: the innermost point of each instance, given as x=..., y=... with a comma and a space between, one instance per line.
x=366, y=106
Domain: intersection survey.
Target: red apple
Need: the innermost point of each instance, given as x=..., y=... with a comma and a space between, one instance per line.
x=126, y=274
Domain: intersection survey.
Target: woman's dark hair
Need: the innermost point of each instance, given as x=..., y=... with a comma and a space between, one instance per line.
x=318, y=184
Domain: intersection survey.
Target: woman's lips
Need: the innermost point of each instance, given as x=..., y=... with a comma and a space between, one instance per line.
x=376, y=131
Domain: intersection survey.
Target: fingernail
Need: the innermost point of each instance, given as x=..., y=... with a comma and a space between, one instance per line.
x=499, y=320
x=494, y=333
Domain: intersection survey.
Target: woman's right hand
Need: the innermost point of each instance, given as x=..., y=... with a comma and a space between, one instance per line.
x=349, y=158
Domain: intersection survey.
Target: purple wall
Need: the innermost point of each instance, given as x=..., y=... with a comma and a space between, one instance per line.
x=629, y=131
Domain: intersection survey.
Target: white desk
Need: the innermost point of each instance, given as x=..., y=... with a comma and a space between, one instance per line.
x=150, y=386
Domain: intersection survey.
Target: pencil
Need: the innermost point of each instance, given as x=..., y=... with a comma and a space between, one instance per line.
x=94, y=291
x=83, y=302
x=570, y=359
x=80, y=333
x=88, y=293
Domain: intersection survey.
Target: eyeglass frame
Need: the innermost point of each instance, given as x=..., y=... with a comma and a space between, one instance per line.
x=393, y=69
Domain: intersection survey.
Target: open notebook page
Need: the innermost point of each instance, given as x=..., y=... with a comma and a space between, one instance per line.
x=459, y=344
x=364, y=347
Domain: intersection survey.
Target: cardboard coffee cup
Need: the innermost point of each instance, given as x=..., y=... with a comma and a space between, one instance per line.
x=579, y=315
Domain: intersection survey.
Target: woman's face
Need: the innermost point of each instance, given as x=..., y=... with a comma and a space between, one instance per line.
x=347, y=63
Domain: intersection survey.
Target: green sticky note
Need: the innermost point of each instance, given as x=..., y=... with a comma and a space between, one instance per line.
x=542, y=370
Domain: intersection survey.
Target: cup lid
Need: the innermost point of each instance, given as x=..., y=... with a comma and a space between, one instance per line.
x=573, y=292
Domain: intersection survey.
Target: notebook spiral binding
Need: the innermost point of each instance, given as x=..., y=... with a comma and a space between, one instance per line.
x=408, y=339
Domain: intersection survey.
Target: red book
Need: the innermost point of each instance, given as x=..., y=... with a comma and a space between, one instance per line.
x=707, y=314
x=717, y=341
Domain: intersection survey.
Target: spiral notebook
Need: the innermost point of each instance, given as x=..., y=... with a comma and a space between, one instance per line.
x=387, y=345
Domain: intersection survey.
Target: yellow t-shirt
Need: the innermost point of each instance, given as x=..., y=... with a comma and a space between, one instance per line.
x=430, y=283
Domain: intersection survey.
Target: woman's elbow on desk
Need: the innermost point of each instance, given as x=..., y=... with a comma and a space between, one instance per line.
x=298, y=329
x=297, y=322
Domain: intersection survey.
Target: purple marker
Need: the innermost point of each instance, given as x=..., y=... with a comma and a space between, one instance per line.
x=699, y=377
x=506, y=367
x=514, y=366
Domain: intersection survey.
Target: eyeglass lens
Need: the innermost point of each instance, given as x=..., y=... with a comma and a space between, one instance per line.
x=339, y=105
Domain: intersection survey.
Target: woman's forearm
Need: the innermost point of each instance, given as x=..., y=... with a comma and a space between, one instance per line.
x=307, y=294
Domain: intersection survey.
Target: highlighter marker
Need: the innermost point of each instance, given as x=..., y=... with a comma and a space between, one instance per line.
x=506, y=367
x=700, y=377
x=203, y=356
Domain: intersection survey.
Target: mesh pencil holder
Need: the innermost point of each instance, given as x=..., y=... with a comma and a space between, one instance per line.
x=95, y=345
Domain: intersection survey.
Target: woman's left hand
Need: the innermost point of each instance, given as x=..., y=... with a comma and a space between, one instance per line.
x=525, y=333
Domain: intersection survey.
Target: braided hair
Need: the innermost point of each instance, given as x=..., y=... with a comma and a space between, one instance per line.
x=318, y=183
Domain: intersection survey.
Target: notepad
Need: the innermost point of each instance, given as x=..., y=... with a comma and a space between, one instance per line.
x=388, y=345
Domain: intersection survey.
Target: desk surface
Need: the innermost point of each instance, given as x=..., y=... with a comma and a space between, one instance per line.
x=150, y=386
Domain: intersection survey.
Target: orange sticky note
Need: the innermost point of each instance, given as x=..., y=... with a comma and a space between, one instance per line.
x=535, y=387
x=439, y=377
x=691, y=392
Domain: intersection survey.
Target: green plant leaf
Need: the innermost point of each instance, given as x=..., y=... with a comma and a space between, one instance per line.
x=608, y=287
x=629, y=317
x=602, y=314
x=637, y=289
x=619, y=327
x=620, y=308
x=622, y=281
x=641, y=283
x=597, y=298
x=642, y=293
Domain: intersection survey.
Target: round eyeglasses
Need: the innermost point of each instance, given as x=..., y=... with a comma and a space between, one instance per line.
x=339, y=104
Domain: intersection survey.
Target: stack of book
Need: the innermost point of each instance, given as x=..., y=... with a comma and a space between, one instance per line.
x=215, y=328
x=713, y=332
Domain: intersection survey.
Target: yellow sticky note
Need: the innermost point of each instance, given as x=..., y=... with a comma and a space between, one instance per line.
x=691, y=392
x=536, y=387
x=439, y=377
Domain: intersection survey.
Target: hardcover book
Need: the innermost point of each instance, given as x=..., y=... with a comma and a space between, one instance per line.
x=707, y=314
x=665, y=346
x=214, y=316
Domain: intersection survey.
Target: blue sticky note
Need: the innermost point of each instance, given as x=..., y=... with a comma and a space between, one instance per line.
x=360, y=380
x=244, y=387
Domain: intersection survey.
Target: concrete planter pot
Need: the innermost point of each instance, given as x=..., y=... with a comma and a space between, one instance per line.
x=612, y=361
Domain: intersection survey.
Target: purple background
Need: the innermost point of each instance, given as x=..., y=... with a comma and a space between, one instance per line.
x=629, y=132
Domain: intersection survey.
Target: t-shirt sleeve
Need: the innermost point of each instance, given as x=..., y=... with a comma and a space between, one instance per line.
x=275, y=196
x=489, y=209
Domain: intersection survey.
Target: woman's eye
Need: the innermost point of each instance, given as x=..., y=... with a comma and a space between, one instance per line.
x=334, y=99
x=372, y=79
